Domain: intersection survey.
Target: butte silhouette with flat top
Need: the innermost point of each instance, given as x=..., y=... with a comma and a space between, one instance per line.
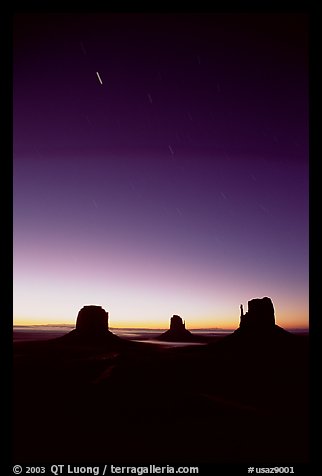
x=258, y=327
x=92, y=330
x=178, y=332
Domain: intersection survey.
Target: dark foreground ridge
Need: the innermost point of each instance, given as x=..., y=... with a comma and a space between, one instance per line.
x=90, y=396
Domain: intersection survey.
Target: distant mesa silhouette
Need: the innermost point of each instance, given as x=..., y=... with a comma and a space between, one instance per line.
x=92, y=329
x=259, y=320
x=260, y=315
x=92, y=320
x=177, y=331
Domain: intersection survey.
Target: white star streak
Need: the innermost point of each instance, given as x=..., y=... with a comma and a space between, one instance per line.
x=99, y=78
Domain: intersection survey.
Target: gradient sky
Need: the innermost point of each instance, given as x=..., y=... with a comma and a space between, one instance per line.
x=179, y=185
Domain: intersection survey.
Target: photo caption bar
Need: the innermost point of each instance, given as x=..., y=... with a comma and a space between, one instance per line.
x=101, y=469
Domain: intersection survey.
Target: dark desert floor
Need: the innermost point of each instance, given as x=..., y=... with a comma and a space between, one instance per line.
x=230, y=400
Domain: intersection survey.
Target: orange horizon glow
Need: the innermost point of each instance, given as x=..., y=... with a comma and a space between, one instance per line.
x=150, y=306
x=300, y=322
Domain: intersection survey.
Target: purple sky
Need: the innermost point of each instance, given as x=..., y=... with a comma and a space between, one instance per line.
x=179, y=185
